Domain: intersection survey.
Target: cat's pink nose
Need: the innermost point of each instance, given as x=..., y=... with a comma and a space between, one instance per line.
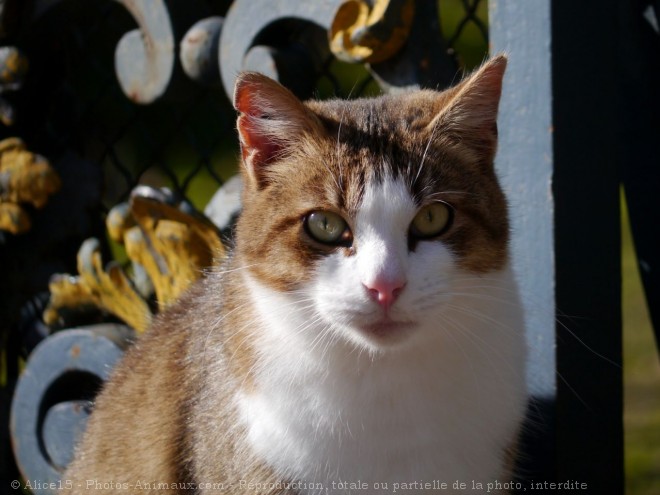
x=385, y=291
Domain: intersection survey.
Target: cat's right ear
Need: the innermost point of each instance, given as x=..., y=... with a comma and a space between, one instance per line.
x=271, y=121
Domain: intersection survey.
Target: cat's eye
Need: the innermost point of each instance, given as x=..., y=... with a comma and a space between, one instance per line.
x=327, y=227
x=431, y=220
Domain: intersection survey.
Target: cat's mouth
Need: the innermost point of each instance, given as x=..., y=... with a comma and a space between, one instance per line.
x=387, y=330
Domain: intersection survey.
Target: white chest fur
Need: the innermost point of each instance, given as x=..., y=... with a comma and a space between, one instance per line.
x=440, y=409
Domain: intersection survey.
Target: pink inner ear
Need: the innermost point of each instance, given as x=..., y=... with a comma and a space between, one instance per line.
x=244, y=96
x=257, y=146
x=255, y=97
x=272, y=121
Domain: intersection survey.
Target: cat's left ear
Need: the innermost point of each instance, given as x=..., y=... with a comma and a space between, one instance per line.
x=470, y=115
x=271, y=122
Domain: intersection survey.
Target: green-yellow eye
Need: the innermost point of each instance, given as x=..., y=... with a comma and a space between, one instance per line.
x=328, y=228
x=431, y=220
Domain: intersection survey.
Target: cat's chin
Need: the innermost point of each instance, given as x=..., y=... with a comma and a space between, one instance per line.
x=386, y=333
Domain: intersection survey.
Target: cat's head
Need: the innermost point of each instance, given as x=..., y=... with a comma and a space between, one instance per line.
x=366, y=216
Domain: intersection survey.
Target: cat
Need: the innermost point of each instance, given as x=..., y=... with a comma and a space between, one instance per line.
x=365, y=334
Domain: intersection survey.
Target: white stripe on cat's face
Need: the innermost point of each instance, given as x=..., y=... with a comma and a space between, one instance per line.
x=381, y=240
x=382, y=294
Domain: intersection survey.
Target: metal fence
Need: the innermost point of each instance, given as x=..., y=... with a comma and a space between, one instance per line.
x=102, y=140
x=71, y=101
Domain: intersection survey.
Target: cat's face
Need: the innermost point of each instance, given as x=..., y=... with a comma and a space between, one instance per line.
x=367, y=216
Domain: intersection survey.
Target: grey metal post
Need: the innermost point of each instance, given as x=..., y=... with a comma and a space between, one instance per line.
x=558, y=162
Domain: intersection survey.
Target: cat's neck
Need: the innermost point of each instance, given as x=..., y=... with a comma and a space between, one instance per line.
x=321, y=406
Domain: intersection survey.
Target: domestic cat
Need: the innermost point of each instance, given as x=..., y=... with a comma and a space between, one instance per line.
x=364, y=336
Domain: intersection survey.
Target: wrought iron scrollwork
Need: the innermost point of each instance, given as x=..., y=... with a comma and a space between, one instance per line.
x=169, y=245
x=52, y=399
x=284, y=40
x=199, y=49
x=144, y=58
x=361, y=32
x=399, y=40
x=13, y=69
x=25, y=178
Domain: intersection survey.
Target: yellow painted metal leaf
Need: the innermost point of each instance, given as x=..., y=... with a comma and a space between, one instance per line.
x=363, y=33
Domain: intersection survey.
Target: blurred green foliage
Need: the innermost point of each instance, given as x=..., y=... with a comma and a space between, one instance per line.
x=466, y=37
x=641, y=373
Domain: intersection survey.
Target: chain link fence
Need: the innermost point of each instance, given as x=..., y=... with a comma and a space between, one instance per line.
x=184, y=141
